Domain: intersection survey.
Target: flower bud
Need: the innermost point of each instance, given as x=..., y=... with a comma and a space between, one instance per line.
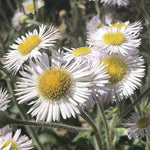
x=23, y=19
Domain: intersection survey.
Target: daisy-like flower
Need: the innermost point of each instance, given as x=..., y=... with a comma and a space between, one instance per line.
x=116, y=2
x=28, y=47
x=17, y=18
x=117, y=38
x=4, y=99
x=28, y=5
x=138, y=126
x=125, y=75
x=80, y=54
x=59, y=88
x=16, y=142
x=93, y=24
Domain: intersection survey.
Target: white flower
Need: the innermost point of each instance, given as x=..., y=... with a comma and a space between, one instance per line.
x=117, y=38
x=125, y=75
x=80, y=54
x=60, y=88
x=138, y=126
x=4, y=99
x=28, y=5
x=16, y=142
x=5, y=130
x=28, y=47
x=116, y=2
x=93, y=24
x=88, y=57
x=15, y=20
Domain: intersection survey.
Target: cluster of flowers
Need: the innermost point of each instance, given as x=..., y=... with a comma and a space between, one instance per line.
x=7, y=140
x=109, y=69
x=117, y=45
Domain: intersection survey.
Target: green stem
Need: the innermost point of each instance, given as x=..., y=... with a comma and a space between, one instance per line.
x=127, y=111
x=101, y=108
x=137, y=108
x=50, y=125
x=97, y=7
x=35, y=12
x=86, y=117
x=147, y=143
x=34, y=22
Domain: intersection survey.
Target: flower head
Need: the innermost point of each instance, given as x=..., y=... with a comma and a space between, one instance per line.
x=125, y=75
x=10, y=142
x=116, y=2
x=4, y=99
x=61, y=88
x=28, y=47
x=119, y=38
x=29, y=5
x=138, y=126
x=80, y=54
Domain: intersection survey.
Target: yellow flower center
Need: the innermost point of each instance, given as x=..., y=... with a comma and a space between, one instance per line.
x=54, y=83
x=81, y=51
x=14, y=145
x=143, y=122
x=116, y=68
x=30, y=7
x=27, y=45
x=118, y=25
x=111, y=38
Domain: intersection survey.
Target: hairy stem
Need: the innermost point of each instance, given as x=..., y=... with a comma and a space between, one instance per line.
x=86, y=117
x=109, y=145
x=50, y=125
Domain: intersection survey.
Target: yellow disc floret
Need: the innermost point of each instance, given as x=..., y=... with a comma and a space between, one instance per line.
x=116, y=38
x=81, y=51
x=117, y=25
x=30, y=7
x=54, y=83
x=116, y=68
x=143, y=122
x=14, y=145
x=27, y=45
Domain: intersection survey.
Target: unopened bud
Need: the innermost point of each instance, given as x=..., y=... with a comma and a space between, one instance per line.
x=23, y=19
